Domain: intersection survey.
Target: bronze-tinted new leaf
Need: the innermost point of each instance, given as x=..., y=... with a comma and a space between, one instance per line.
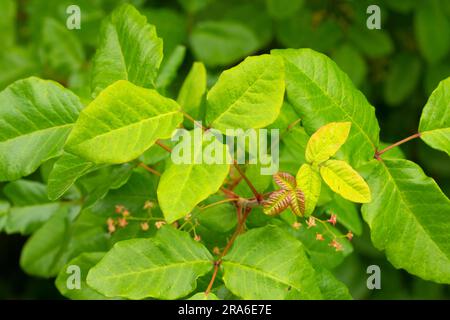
x=278, y=201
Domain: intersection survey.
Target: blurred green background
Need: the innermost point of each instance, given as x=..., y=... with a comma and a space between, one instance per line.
x=396, y=67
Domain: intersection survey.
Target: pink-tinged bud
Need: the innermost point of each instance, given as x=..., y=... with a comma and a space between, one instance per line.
x=122, y=222
x=349, y=235
x=126, y=213
x=319, y=237
x=111, y=228
x=159, y=224
x=119, y=208
x=110, y=222
x=333, y=219
x=296, y=225
x=197, y=238
x=216, y=250
x=149, y=205
x=336, y=245
x=311, y=222
x=145, y=226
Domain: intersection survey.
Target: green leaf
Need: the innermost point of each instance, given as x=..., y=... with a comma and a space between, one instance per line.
x=45, y=252
x=308, y=180
x=164, y=19
x=121, y=123
x=434, y=124
x=402, y=79
x=221, y=43
x=249, y=95
x=326, y=141
x=218, y=217
x=35, y=118
x=59, y=48
x=65, y=172
x=193, y=90
x=117, y=177
x=408, y=219
x=31, y=207
x=164, y=267
x=195, y=179
x=268, y=263
x=344, y=180
x=330, y=287
x=202, y=296
x=129, y=50
x=280, y=9
x=432, y=29
x=170, y=68
x=64, y=281
x=321, y=93
x=292, y=150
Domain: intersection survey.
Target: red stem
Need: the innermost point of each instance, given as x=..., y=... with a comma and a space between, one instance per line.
x=379, y=153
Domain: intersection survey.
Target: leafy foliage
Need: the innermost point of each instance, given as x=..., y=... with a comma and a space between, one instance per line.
x=89, y=161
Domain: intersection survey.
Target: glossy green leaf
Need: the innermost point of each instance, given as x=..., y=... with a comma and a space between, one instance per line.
x=30, y=206
x=408, y=219
x=79, y=266
x=249, y=95
x=65, y=172
x=344, y=180
x=195, y=179
x=121, y=123
x=193, y=90
x=221, y=43
x=129, y=50
x=330, y=287
x=308, y=180
x=326, y=141
x=321, y=93
x=202, y=296
x=35, y=118
x=169, y=68
x=45, y=252
x=268, y=263
x=164, y=267
x=434, y=124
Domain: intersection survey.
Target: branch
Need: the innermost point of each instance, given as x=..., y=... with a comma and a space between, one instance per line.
x=379, y=153
x=218, y=262
x=151, y=170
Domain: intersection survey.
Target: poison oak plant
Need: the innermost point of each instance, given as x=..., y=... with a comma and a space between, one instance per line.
x=138, y=225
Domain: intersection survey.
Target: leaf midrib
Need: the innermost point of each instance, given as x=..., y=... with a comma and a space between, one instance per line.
x=36, y=131
x=157, y=268
x=336, y=104
x=262, y=272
